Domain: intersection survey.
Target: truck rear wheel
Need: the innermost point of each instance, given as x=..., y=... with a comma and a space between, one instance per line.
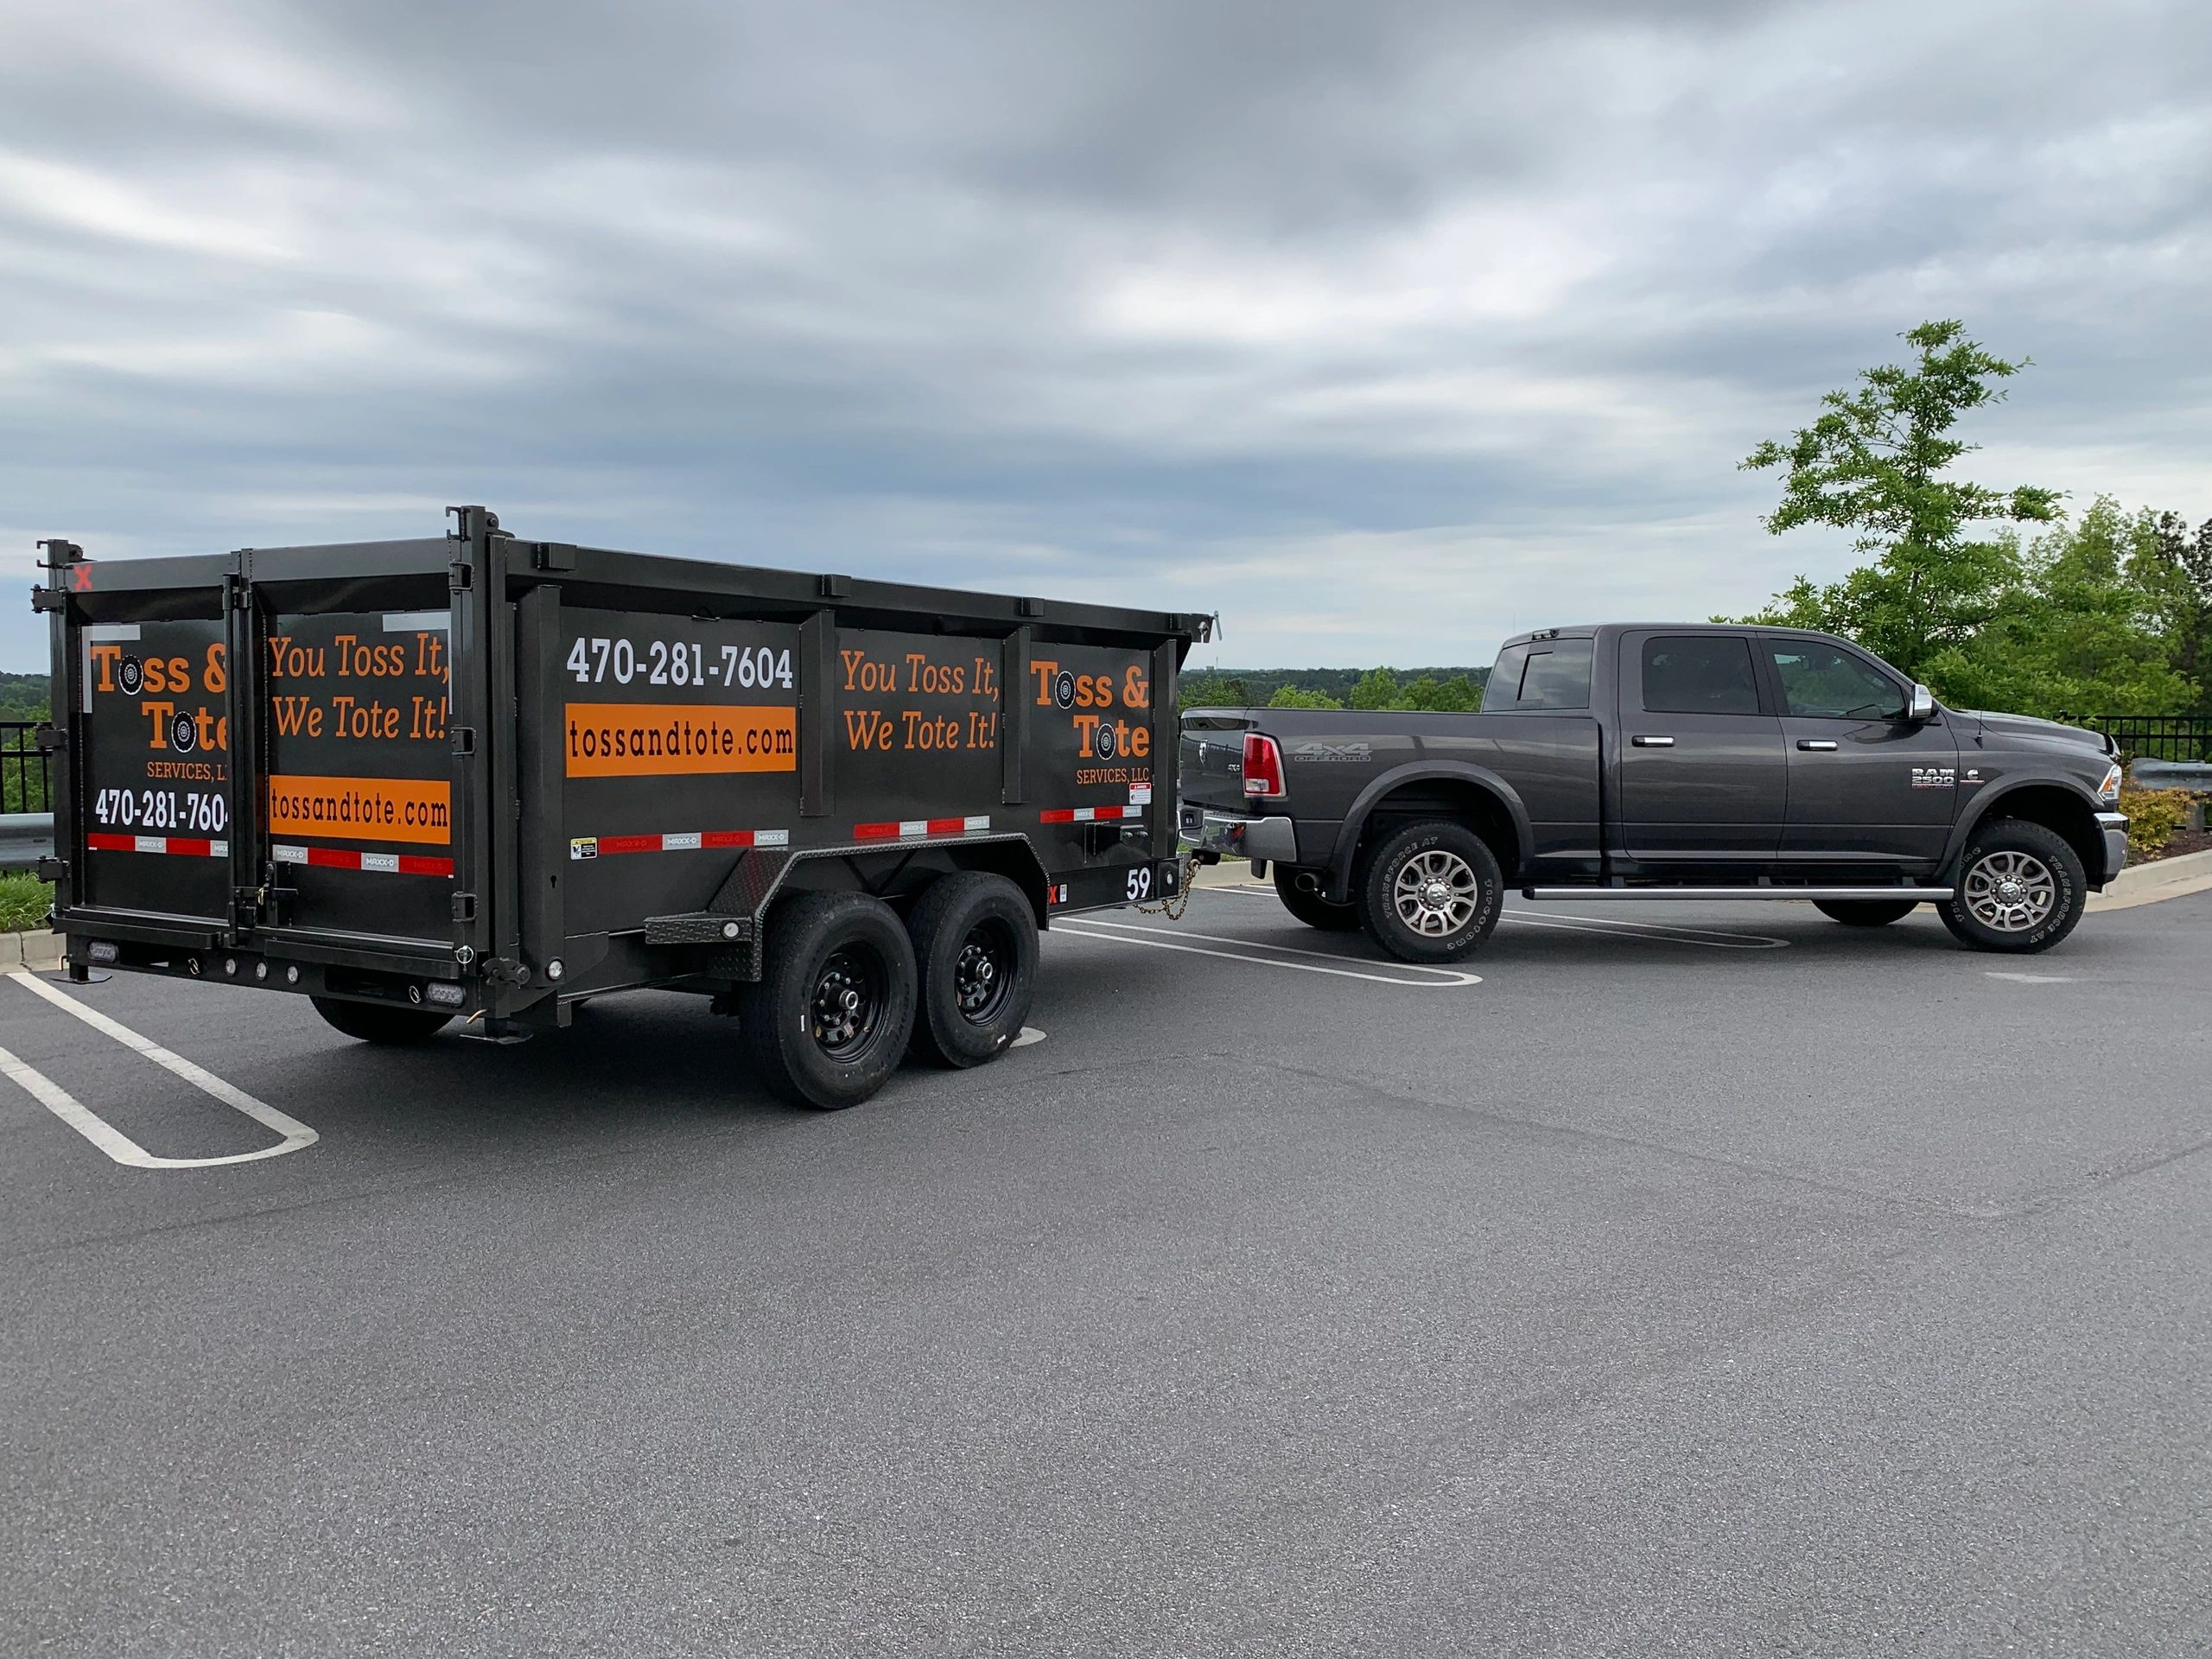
x=371, y=1022
x=976, y=946
x=827, y=1023
x=1430, y=892
x=1866, y=913
x=1306, y=902
x=2020, y=889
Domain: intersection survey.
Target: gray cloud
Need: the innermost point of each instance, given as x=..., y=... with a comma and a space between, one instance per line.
x=1382, y=329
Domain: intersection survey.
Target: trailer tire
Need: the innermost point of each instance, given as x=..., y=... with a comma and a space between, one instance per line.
x=2020, y=889
x=827, y=1023
x=1866, y=913
x=370, y=1022
x=1430, y=892
x=1309, y=906
x=976, y=948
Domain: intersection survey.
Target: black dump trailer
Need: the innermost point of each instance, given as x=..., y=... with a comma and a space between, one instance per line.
x=480, y=778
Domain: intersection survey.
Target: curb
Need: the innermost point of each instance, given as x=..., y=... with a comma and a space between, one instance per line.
x=38, y=949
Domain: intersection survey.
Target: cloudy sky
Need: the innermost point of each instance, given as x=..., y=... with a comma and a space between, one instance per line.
x=1382, y=328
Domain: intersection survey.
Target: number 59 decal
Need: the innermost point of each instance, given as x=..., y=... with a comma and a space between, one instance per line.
x=1140, y=881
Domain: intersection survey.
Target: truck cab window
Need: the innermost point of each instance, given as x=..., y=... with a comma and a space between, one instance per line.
x=1821, y=681
x=1543, y=673
x=1699, y=674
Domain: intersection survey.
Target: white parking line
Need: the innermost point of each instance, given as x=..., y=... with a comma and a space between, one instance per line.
x=1125, y=931
x=1666, y=933
x=111, y=1140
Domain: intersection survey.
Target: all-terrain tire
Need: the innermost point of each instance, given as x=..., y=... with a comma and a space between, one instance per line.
x=372, y=1022
x=1309, y=906
x=1866, y=913
x=2020, y=889
x=828, y=1022
x=974, y=940
x=1429, y=891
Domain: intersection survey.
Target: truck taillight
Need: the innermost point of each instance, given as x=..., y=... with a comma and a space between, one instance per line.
x=1263, y=767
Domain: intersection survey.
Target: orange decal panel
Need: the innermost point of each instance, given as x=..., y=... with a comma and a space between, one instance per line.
x=650, y=740
x=362, y=809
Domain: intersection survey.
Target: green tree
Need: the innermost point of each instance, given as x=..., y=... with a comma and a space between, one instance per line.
x=1211, y=691
x=1377, y=689
x=1875, y=462
x=1293, y=697
x=2083, y=629
x=2181, y=571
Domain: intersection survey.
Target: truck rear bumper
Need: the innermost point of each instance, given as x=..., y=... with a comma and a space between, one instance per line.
x=1235, y=835
x=2114, y=826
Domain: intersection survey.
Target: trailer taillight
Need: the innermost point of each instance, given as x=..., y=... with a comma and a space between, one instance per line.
x=1263, y=767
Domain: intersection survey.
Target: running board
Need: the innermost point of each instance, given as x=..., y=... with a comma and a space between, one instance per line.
x=1918, y=895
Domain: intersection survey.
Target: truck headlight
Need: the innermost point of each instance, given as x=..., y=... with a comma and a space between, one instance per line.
x=2109, y=790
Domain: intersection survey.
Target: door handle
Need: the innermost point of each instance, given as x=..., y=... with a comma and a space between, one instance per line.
x=1653, y=742
x=1821, y=743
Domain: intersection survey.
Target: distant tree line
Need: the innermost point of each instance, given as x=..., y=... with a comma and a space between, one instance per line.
x=1444, y=689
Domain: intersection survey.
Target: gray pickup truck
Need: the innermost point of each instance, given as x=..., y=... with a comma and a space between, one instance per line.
x=1644, y=761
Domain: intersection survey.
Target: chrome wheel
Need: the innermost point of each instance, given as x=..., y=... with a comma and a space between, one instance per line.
x=846, y=1001
x=1435, y=892
x=2010, y=892
x=982, y=973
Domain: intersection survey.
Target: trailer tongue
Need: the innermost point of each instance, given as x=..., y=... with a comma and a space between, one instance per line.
x=482, y=777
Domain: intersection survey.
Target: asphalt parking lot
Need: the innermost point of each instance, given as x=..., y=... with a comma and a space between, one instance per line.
x=1673, y=1280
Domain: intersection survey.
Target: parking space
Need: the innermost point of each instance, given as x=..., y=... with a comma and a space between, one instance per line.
x=1676, y=1279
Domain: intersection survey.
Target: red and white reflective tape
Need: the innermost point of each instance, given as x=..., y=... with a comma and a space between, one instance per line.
x=919, y=828
x=687, y=841
x=343, y=858
x=1087, y=814
x=185, y=846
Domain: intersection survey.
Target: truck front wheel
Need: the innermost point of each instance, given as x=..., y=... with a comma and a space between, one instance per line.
x=368, y=1022
x=976, y=946
x=2020, y=889
x=829, y=1019
x=1430, y=892
x=1301, y=892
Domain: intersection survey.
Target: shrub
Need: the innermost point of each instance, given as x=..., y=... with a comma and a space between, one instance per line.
x=2154, y=815
x=24, y=900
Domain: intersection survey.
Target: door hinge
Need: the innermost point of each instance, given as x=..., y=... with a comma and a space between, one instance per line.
x=52, y=870
x=46, y=738
x=460, y=575
x=464, y=740
x=48, y=599
x=464, y=906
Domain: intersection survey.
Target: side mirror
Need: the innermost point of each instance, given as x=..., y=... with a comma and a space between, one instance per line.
x=1922, y=707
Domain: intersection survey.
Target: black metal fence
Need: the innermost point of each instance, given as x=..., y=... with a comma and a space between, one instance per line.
x=2153, y=737
x=23, y=769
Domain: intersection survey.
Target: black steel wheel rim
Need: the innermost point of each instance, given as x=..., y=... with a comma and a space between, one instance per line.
x=982, y=973
x=847, y=1003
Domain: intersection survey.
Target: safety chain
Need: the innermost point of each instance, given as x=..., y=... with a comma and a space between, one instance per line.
x=1173, y=909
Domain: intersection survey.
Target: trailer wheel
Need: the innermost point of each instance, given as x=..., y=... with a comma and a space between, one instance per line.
x=367, y=1022
x=1430, y=892
x=827, y=1023
x=975, y=944
x=1306, y=903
